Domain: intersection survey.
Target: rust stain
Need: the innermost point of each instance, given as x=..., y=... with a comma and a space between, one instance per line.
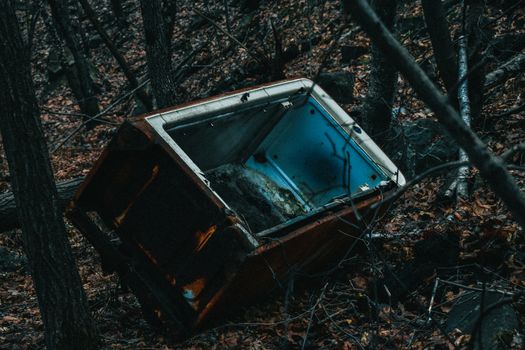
x=211, y=304
x=148, y=254
x=204, y=236
x=171, y=279
x=154, y=174
x=329, y=216
x=192, y=290
x=196, y=286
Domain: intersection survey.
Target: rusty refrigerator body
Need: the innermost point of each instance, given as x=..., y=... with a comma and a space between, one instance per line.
x=207, y=206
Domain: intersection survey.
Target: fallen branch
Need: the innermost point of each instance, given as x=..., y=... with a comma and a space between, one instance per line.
x=491, y=167
x=9, y=218
x=514, y=65
x=511, y=111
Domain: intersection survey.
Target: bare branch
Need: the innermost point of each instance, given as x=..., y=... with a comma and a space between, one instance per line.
x=514, y=65
x=491, y=167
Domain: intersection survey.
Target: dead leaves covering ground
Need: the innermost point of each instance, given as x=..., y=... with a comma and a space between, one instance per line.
x=340, y=311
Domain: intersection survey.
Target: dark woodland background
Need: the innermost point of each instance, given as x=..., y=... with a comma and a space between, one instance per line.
x=97, y=63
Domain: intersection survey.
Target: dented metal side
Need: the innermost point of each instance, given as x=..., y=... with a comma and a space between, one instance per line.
x=184, y=252
x=308, y=248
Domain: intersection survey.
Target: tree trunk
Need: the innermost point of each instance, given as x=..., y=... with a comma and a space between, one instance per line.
x=87, y=101
x=63, y=304
x=79, y=30
x=169, y=11
x=476, y=48
x=377, y=109
x=491, y=167
x=64, y=57
x=143, y=97
x=158, y=53
x=442, y=46
x=116, y=7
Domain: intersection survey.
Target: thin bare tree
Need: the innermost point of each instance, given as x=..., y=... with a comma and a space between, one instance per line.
x=491, y=167
x=62, y=301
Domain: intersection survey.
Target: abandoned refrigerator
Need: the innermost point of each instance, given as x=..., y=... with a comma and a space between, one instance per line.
x=207, y=206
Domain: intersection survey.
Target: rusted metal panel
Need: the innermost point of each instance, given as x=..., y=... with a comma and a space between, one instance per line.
x=203, y=197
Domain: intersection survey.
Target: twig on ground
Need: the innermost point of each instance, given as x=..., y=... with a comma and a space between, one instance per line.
x=462, y=286
x=321, y=295
x=511, y=111
x=434, y=290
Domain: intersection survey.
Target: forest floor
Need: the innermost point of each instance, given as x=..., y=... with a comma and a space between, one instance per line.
x=440, y=250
